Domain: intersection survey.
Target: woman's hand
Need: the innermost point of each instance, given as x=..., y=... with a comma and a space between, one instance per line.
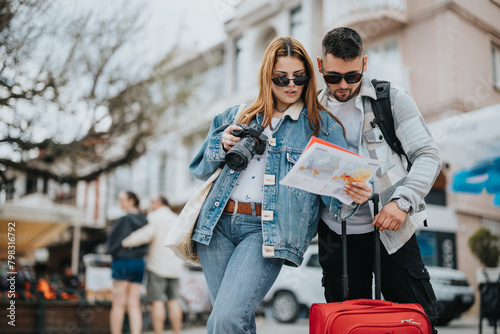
x=228, y=140
x=359, y=192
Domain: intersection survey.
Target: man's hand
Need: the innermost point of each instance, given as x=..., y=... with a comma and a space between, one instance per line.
x=359, y=192
x=390, y=218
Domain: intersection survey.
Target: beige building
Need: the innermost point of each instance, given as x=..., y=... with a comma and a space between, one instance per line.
x=445, y=53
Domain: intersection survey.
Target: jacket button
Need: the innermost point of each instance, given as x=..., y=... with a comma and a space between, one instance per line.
x=380, y=137
x=217, y=204
x=203, y=237
x=231, y=171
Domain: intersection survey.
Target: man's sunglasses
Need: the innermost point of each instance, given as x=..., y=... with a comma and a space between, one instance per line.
x=350, y=78
x=299, y=80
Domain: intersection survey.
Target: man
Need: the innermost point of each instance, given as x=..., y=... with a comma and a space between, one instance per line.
x=404, y=278
x=164, y=268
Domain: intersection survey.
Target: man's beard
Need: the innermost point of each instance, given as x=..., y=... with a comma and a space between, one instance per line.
x=347, y=97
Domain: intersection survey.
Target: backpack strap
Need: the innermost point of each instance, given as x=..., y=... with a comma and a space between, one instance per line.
x=382, y=110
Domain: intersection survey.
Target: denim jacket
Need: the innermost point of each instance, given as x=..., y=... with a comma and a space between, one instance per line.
x=289, y=215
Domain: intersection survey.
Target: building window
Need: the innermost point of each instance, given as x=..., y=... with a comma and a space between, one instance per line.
x=238, y=64
x=65, y=194
x=437, y=248
x=9, y=187
x=122, y=177
x=45, y=188
x=385, y=62
x=192, y=145
x=297, y=23
x=211, y=84
x=495, y=56
x=437, y=195
x=163, y=173
x=31, y=184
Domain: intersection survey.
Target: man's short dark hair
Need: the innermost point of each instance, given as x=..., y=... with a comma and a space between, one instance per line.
x=163, y=200
x=343, y=43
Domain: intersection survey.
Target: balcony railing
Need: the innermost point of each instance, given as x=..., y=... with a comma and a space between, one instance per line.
x=366, y=15
x=340, y=8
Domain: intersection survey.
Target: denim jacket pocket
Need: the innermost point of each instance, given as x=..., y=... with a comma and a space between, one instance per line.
x=377, y=144
x=292, y=158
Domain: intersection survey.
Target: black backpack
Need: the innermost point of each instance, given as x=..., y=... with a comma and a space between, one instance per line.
x=383, y=117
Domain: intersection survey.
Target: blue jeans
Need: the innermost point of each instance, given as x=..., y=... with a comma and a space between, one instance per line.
x=237, y=274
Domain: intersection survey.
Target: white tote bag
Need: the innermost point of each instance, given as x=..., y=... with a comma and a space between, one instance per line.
x=179, y=237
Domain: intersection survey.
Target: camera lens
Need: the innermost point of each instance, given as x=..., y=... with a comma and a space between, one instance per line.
x=240, y=154
x=235, y=161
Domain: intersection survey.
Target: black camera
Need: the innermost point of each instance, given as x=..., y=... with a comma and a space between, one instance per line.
x=252, y=142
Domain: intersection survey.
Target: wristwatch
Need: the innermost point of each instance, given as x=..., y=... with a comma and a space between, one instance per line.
x=403, y=204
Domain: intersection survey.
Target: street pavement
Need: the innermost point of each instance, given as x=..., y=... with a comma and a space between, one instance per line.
x=463, y=325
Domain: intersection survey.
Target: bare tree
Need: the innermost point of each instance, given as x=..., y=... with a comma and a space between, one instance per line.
x=75, y=99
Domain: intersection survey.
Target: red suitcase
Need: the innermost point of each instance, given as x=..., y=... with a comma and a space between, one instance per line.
x=367, y=316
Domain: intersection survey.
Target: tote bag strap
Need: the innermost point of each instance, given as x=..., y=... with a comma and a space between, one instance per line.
x=240, y=111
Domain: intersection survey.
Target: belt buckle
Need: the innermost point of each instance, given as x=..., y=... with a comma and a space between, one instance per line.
x=235, y=210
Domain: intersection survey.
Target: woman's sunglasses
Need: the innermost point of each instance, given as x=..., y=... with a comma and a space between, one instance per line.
x=299, y=80
x=350, y=78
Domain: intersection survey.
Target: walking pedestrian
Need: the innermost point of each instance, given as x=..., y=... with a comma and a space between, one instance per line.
x=127, y=266
x=163, y=267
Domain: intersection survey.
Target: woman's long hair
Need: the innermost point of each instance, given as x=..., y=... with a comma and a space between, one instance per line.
x=265, y=103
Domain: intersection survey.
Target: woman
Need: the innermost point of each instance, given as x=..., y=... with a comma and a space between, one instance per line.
x=250, y=225
x=127, y=267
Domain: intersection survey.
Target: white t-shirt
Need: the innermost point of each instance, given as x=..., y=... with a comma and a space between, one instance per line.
x=250, y=183
x=352, y=119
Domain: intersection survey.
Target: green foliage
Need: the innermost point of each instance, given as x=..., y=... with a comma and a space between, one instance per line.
x=485, y=246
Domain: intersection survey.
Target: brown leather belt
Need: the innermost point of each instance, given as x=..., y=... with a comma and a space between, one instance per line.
x=239, y=207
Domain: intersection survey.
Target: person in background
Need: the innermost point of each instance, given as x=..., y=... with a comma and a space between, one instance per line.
x=127, y=266
x=250, y=224
x=404, y=278
x=163, y=267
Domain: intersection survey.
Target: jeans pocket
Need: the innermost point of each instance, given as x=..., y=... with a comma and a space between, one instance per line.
x=419, y=280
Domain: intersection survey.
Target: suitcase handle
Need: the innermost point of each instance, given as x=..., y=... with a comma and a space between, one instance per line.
x=345, y=280
x=372, y=302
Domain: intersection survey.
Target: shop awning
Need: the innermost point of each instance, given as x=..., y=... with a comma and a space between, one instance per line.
x=483, y=176
x=37, y=222
x=470, y=142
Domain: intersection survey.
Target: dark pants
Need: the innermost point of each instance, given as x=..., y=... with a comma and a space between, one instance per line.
x=404, y=278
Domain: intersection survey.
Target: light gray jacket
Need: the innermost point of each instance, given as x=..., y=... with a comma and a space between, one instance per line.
x=392, y=180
